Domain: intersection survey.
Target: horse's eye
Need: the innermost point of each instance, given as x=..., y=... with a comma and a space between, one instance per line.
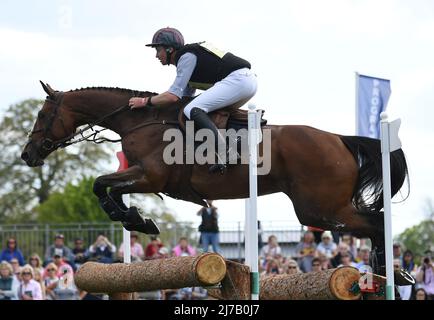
x=41, y=115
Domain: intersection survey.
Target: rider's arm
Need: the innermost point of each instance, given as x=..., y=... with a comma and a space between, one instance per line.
x=179, y=88
x=184, y=70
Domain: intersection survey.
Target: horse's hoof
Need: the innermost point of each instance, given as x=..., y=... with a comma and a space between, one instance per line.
x=147, y=227
x=136, y=221
x=134, y=216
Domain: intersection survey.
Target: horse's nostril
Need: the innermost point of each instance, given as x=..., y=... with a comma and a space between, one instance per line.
x=25, y=156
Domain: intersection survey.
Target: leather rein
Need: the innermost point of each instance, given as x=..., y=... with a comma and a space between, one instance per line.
x=49, y=145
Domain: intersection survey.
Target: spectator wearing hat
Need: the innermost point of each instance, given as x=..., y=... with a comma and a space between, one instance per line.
x=327, y=246
x=137, y=253
x=59, y=249
x=29, y=289
x=11, y=251
x=163, y=253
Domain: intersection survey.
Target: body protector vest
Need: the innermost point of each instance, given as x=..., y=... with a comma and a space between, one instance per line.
x=212, y=64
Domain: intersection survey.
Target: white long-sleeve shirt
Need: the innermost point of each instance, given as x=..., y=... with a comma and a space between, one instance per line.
x=32, y=288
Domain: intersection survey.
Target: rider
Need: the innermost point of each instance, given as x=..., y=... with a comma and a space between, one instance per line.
x=226, y=78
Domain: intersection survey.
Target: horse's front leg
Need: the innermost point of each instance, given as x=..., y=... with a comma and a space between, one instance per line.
x=130, y=180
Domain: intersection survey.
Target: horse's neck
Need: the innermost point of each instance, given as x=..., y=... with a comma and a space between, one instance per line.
x=92, y=105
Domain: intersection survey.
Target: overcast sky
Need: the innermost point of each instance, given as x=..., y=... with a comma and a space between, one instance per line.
x=305, y=54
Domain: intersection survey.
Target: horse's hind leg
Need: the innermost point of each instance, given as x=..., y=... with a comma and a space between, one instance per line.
x=120, y=183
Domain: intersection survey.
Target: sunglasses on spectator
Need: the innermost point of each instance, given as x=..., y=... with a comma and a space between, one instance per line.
x=25, y=273
x=292, y=267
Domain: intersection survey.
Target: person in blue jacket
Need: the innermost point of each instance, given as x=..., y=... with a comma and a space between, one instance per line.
x=11, y=252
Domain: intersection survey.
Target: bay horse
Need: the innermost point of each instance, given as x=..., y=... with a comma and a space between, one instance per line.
x=333, y=181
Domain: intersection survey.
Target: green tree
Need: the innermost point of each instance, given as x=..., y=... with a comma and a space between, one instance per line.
x=22, y=187
x=76, y=203
x=421, y=236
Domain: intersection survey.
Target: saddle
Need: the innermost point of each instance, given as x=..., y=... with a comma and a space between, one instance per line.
x=225, y=118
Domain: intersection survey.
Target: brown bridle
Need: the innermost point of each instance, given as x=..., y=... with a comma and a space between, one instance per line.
x=49, y=145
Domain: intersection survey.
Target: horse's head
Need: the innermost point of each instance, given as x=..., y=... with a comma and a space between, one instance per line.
x=51, y=126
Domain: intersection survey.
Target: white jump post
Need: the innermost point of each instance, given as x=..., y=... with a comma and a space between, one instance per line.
x=389, y=142
x=251, y=219
x=123, y=165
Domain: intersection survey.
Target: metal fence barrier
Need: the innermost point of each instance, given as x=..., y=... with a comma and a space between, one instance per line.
x=35, y=238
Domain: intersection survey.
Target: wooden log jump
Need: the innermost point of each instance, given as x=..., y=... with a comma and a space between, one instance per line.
x=170, y=273
x=329, y=284
x=119, y=280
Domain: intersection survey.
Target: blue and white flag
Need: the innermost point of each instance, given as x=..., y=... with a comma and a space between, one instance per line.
x=372, y=97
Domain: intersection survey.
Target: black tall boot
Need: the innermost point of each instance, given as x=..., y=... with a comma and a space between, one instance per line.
x=201, y=121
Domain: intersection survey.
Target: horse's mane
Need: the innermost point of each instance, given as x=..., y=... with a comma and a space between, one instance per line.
x=136, y=93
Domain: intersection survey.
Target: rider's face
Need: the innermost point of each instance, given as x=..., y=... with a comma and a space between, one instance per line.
x=162, y=55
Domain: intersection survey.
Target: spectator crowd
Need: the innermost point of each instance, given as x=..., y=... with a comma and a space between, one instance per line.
x=51, y=277
x=316, y=253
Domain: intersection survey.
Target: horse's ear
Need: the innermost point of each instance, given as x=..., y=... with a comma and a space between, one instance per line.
x=47, y=89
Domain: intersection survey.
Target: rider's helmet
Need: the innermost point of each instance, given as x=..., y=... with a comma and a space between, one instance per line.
x=167, y=37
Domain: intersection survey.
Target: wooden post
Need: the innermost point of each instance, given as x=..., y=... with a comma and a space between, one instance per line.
x=236, y=283
x=330, y=284
x=169, y=273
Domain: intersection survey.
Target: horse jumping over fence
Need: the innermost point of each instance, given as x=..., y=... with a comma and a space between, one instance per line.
x=333, y=181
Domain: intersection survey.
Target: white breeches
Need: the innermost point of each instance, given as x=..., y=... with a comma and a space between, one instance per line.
x=239, y=86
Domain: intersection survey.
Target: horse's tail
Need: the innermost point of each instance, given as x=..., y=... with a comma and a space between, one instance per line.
x=368, y=191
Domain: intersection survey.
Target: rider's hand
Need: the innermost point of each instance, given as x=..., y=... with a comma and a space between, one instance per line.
x=135, y=103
